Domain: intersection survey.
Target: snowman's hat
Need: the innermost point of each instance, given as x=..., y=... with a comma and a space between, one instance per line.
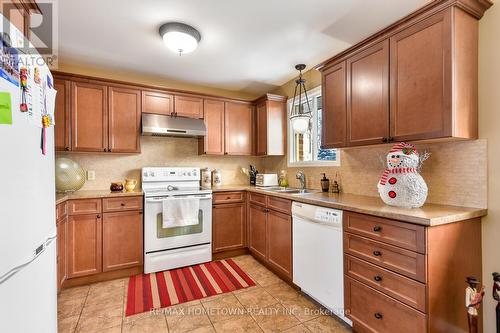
x=405, y=148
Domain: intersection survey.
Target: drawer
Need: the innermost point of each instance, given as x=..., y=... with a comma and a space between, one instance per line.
x=372, y=311
x=121, y=203
x=84, y=206
x=257, y=198
x=228, y=197
x=403, y=289
x=279, y=204
x=61, y=210
x=405, y=235
x=408, y=263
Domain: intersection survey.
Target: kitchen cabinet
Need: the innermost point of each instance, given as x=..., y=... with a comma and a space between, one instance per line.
x=270, y=232
x=213, y=116
x=397, y=274
x=157, y=102
x=89, y=117
x=19, y=12
x=279, y=241
x=238, y=120
x=122, y=240
x=188, y=106
x=229, y=227
x=61, y=245
x=124, y=120
x=334, y=106
x=270, y=125
x=368, y=95
x=62, y=129
x=414, y=80
x=84, y=245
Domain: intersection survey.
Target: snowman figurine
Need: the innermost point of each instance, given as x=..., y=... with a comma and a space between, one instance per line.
x=401, y=185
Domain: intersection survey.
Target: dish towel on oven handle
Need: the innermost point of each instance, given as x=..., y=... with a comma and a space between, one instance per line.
x=180, y=212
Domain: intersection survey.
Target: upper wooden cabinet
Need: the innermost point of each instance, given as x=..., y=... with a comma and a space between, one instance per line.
x=62, y=130
x=270, y=125
x=157, y=103
x=238, y=120
x=89, y=117
x=368, y=95
x=188, y=106
x=415, y=80
x=335, y=106
x=124, y=120
x=213, y=115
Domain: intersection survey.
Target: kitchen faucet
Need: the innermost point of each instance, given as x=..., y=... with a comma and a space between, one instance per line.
x=302, y=179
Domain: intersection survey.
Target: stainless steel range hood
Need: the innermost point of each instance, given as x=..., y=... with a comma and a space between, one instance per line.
x=158, y=125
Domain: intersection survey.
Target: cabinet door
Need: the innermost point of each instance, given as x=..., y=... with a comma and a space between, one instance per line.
x=89, y=117
x=334, y=106
x=238, y=128
x=213, y=115
x=261, y=129
x=122, y=240
x=190, y=107
x=157, y=103
x=257, y=228
x=84, y=245
x=421, y=75
x=368, y=96
x=62, y=228
x=62, y=133
x=124, y=120
x=279, y=241
x=229, y=227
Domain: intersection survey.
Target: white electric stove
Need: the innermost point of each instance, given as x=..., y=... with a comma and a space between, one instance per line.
x=167, y=248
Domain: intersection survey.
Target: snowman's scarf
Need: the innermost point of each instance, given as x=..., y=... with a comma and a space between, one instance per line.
x=387, y=172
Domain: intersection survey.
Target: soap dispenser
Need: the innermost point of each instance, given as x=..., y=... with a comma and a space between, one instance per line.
x=325, y=183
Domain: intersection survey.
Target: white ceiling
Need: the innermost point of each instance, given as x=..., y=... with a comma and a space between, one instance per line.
x=247, y=45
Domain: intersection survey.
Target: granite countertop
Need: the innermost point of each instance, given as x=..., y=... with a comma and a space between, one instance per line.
x=428, y=215
x=87, y=194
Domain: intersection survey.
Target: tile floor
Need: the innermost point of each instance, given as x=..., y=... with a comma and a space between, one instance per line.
x=271, y=306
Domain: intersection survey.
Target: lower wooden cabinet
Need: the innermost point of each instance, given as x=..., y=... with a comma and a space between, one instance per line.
x=279, y=241
x=228, y=227
x=257, y=226
x=62, y=231
x=122, y=240
x=84, y=245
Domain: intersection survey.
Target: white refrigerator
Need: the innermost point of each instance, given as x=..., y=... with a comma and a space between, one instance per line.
x=28, y=292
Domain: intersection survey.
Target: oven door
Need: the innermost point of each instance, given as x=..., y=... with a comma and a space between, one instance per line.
x=157, y=238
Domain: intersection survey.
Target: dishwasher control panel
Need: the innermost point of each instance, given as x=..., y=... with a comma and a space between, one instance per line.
x=317, y=214
x=326, y=215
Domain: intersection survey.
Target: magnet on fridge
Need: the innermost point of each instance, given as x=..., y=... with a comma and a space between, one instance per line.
x=5, y=108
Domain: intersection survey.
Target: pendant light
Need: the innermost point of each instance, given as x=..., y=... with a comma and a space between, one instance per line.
x=300, y=118
x=179, y=37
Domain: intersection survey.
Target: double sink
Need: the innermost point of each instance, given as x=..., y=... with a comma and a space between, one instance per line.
x=289, y=190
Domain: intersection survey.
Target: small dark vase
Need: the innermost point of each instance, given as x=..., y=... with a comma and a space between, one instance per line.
x=116, y=187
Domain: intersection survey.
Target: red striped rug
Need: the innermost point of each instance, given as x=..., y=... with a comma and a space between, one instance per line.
x=175, y=286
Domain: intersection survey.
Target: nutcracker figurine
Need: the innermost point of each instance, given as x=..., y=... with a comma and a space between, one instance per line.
x=473, y=299
x=496, y=296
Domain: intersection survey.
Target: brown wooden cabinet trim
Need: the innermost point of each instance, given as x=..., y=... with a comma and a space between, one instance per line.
x=228, y=197
x=84, y=206
x=122, y=203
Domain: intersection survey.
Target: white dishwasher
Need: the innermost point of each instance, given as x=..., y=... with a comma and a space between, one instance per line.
x=318, y=261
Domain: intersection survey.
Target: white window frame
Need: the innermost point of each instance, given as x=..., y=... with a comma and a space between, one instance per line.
x=312, y=94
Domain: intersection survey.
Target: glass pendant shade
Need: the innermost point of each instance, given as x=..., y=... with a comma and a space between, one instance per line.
x=300, y=124
x=300, y=113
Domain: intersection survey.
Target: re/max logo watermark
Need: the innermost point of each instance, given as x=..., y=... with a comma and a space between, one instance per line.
x=36, y=35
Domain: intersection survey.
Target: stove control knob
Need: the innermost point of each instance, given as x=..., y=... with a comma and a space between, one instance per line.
x=189, y=173
x=170, y=188
x=151, y=174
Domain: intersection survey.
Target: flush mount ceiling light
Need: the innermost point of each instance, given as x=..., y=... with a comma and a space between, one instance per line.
x=179, y=37
x=300, y=114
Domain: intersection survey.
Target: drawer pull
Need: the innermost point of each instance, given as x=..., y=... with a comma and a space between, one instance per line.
x=377, y=228
x=377, y=278
x=378, y=315
x=377, y=253
x=228, y=198
x=122, y=204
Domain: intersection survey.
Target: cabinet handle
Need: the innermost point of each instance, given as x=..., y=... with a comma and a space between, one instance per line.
x=377, y=278
x=140, y=213
x=122, y=204
x=390, y=139
x=109, y=149
x=378, y=315
x=377, y=253
x=104, y=149
x=377, y=228
x=385, y=140
x=98, y=216
x=66, y=148
x=228, y=198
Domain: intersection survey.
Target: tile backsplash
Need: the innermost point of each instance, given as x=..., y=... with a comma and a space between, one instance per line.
x=159, y=151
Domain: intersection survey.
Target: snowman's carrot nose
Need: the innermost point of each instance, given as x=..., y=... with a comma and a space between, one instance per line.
x=395, y=160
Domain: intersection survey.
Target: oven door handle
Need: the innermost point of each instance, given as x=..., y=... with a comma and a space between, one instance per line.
x=186, y=196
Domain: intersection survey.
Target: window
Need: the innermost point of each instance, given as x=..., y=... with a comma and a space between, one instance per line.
x=305, y=149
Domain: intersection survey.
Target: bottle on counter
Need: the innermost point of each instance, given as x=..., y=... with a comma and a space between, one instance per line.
x=206, y=178
x=325, y=183
x=335, y=185
x=283, y=180
x=217, y=178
